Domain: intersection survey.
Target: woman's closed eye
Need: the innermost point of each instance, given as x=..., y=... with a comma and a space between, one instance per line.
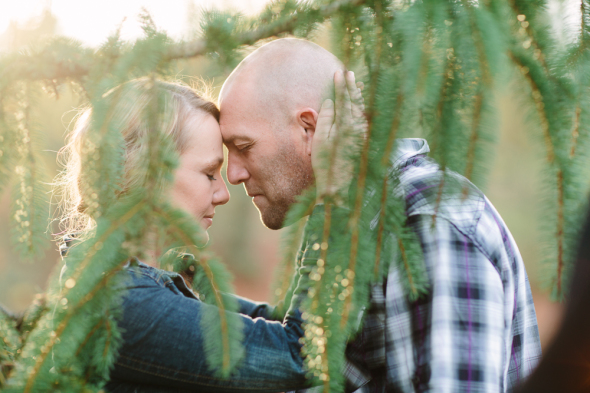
x=213, y=169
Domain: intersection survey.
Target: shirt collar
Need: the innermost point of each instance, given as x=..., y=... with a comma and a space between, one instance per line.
x=407, y=148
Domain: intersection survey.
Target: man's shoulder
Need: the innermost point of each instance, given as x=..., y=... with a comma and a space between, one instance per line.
x=427, y=190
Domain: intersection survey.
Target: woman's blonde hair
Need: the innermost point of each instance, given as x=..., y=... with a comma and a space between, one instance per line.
x=178, y=103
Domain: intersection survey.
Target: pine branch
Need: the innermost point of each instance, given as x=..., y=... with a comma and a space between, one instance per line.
x=376, y=68
x=9, y=344
x=220, y=301
x=380, y=229
x=478, y=41
x=295, y=222
x=7, y=160
x=88, y=336
x=413, y=288
x=289, y=252
x=98, y=245
x=439, y=195
x=448, y=80
x=384, y=195
x=50, y=64
x=56, y=335
x=475, y=123
x=576, y=131
x=530, y=29
x=362, y=177
x=486, y=83
x=30, y=209
x=448, y=76
x=537, y=97
x=560, y=233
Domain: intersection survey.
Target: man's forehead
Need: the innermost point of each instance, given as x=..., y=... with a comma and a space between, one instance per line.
x=234, y=132
x=237, y=87
x=238, y=105
x=241, y=113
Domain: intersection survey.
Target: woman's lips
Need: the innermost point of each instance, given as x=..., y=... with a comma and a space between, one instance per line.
x=208, y=221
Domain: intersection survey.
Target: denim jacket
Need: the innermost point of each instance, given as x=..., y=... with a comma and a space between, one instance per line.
x=163, y=349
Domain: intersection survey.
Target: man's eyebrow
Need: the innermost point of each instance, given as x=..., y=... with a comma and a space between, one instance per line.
x=237, y=138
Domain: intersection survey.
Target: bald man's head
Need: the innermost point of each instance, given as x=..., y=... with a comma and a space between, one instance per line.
x=284, y=74
x=269, y=106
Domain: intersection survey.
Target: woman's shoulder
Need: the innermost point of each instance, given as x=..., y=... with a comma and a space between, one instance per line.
x=143, y=275
x=142, y=272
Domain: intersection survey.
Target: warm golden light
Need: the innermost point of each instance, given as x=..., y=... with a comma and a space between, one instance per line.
x=93, y=21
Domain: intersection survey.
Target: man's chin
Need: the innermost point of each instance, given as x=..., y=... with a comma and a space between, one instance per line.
x=271, y=216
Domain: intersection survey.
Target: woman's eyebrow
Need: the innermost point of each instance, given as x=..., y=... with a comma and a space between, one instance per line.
x=214, y=163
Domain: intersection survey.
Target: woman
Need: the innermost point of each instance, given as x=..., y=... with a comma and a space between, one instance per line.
x=163, y=348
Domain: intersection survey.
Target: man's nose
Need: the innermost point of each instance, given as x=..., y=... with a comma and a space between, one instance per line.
x=236, y=171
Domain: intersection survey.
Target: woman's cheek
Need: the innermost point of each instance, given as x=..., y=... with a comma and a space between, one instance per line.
x=202, y=202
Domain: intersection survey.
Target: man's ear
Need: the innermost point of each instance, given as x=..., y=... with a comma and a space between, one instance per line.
x=307, y=119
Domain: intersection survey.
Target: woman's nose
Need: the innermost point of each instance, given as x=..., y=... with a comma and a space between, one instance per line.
x=221, y=196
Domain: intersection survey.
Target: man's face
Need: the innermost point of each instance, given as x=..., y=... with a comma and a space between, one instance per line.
x=267, y=154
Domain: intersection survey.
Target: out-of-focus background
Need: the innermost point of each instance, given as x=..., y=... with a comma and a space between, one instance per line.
x=250, y=250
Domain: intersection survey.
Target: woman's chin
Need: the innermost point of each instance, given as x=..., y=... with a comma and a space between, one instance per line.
x=205, y=224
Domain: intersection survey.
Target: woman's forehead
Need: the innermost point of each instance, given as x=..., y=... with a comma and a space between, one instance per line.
x=203, y=138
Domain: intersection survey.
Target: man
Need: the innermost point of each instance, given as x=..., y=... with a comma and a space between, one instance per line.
x=476, y=328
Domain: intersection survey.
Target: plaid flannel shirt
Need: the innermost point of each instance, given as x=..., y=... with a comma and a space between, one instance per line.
x=476, y=329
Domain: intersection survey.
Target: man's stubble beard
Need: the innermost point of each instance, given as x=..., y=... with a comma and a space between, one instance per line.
x=288, y=176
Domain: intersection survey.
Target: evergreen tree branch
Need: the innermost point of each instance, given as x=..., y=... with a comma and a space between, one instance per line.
x=31, y=317
x=107, y=344
x=402, y=249
x=530, y=13
x=9, y=345
x=219, y=302
x=486, y=81
x=57, y=333
x=560, y=232
x=88, y=336
x=380, y=229
x=537, y=97
x=473, y=139
x=292, y=240
x=324, y=257
x=384, y=164
x=7, y=160
x=51, y=64
x=363, y=171
x=30, y=209
x=98, y=245
x=439, y=195
x=580, y=49
x=576, y=131
x=448, y=80
x=479, y=46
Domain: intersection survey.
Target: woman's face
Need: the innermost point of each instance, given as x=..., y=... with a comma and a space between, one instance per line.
x=198, y=186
